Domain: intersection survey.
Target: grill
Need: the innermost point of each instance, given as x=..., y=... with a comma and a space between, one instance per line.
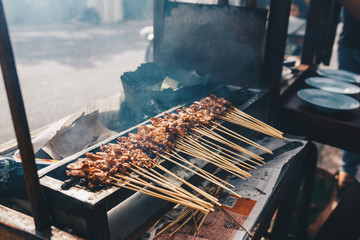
x=86, y=211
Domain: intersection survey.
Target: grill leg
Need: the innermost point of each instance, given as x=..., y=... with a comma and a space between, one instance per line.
x=97, y=224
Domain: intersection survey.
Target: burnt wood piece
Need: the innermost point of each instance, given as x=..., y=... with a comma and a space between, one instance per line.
x=338, y=129
x=15, y=225
x=275, y=50
x=35, y=194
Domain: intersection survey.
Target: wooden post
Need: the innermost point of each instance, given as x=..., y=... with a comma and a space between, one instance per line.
x=36, y=196
x=158, y=21
x=320, y=32
x=223, y=2
x=275, y=50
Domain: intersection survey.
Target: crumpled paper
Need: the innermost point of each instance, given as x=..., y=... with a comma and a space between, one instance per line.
x=70, y=135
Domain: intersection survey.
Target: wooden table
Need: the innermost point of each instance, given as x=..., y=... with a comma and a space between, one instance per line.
x=338, y=129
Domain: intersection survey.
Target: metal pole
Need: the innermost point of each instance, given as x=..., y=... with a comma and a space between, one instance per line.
x=35, y=194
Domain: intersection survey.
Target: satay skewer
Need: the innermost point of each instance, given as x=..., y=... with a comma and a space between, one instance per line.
x=213, y=157
x=220, y=185
x=242, y=138
x=157, y=195
x=211, y=176
x=188, y=184
x=218, y=154
x=249, y=167
x=178, y=132
x=239, y=112
x=204, y=177
x=251, y=125
x=243, y=150
x=231, y=152
x=172, y=193
x=171, y=186
x=247, y=125
x=210, y=160
x=228, y=143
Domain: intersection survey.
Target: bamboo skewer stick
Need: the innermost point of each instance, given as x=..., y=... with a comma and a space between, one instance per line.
x=157, y=195
x=230, y=170
x=243, y=150
x=154, y=225
x=244, y=164
x=179, y=196
x=242, y=138
x=191, y=170
x=173, y=184
x=216, y=158
x=170, y=184
x=181, y=225
x=231, y=157
x=213, y=154
x=178, y=219
x=154, y=174
x=214, y=137
x=239, y=120
x=197, y=216
x=255, y=125
x=227, y=150
x=238, y=111
x=202, y=222
x=247, y=125
x=228, y=143
x=222, y=186
x=172, y=187
x=216, y=194
x=192, y=213
x=186, y=192
x=211, y=176
x=204, y=177
x=237, y=222
x=200, y=215
x=205, y=158
x=208, y=196
x=253, y=121
x=248, y=121
x=230, y=163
